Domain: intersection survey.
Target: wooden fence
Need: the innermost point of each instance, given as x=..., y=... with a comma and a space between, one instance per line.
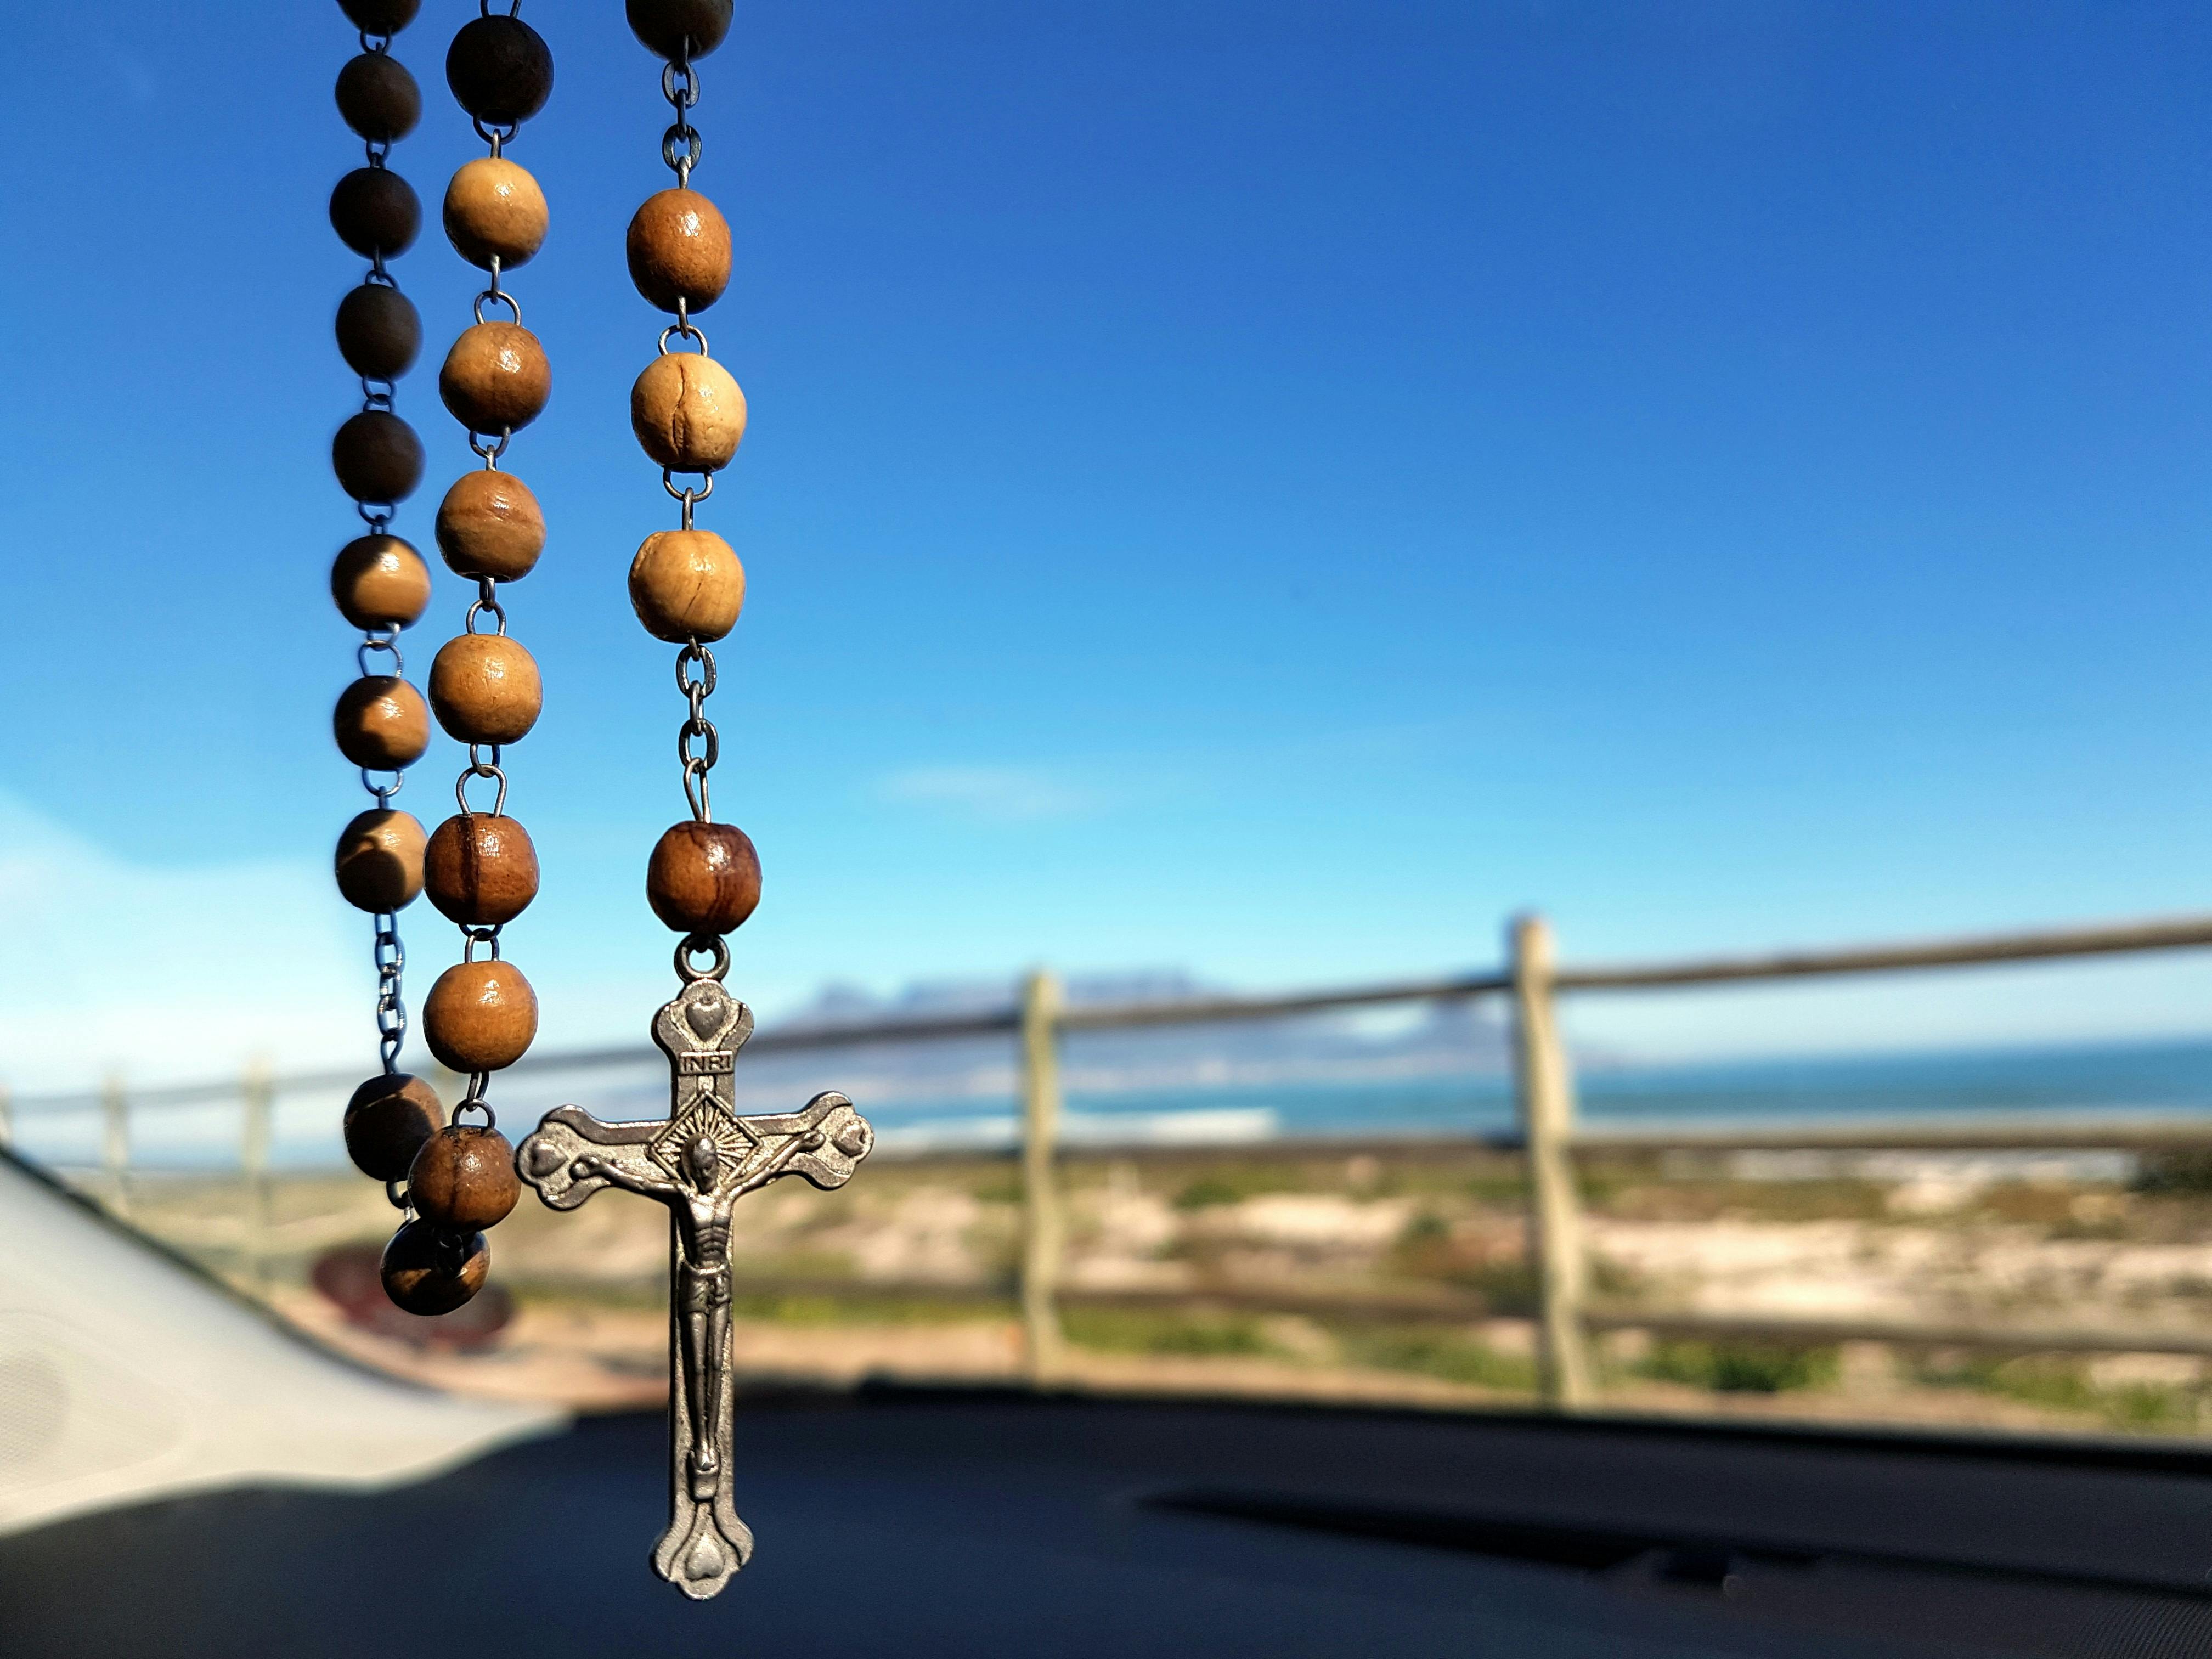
x=1549, y=1135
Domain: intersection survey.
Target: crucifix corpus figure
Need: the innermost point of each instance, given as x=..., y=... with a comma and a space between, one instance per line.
x=699, y=1161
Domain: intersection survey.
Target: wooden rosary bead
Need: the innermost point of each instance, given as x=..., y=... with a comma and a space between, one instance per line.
x=494, y=211
x=464, y=1178
x=379, y=860
x=379, y=581
x=376, y=457
x=480, y=1016
x=485, y=689
x=429, y=1270
x=386, y=1122
x=501, y=70
x=380, y=723
x=379, y=17
x=481, y=869
x=704, y=877
x=667, y=25
x=379, y=331
x=489, y=525
x=687, y=412
x=679, y=250
x=375, y=211
x=378, y=97
x=495, y=377
x=686, y=585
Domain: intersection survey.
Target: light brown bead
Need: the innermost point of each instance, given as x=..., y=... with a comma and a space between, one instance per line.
x=375, y=211
x=429, y=1270
x=674, y=28
x=679, y=250
x=380, y=723
x=379, y=581
x=494, y=211
x=481, y=869
x=386, y=1122
x=686, y=585
x=464, y=1178
x=489, y=525
x=687, y=412
x=379, y=330
x=704, y=877
x=378, y=97
x=485, y=689
x=380, y=859
x=496, y=378
x=480, y=1016
x=376, y=457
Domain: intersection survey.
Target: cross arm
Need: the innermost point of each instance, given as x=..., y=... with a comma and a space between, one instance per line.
x=824, y=1141
x=609, y=1154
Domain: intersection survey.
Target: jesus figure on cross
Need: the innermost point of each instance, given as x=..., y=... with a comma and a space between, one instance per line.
x=699, y=1161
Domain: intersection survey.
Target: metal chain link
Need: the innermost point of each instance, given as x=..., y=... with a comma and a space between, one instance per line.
x=377, y=395
x=698, y=745
x=390, y=959
x=485, y=758
x=698, y=727
x=487, y=601
x=679, y=145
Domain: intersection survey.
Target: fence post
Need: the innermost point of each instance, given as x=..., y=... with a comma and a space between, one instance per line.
x=1041, y=1225
x=115, y=1140
x=1546, y=1091
x=257, y=1094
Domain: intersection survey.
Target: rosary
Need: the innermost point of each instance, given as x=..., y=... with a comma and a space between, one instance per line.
x=453, y=1179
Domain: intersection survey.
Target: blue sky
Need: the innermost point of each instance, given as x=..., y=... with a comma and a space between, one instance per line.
x=1270, y=489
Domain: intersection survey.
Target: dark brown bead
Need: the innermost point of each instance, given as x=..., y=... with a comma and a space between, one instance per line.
x=386, y=1122
x=429, y=1270
x=669, y=26
x=500, y=70
x=378, y=97
x=380, y=723
x=379, y=17
x=376, y=457
x=679, y=250
x=490, y=525
x=480, y=869
x=375, y=211
x=496, y=378
x=464, y=1178
x=379, y=581
x=704, y=877
x=379, y=331
x=379, y=860
x=480, y=1016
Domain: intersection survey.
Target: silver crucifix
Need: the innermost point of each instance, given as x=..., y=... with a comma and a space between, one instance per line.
x=699, y=1161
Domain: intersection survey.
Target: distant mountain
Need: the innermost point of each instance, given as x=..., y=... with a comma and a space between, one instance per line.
x=1454, y=1036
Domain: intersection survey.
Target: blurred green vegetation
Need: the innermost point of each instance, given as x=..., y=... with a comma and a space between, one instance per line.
x=1162, y=1330
x=2062, y=1383
x=1737, y=1367
x=1434, y=1351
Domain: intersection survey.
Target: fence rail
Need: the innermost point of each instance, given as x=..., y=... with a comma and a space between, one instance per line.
x=1549, y=1138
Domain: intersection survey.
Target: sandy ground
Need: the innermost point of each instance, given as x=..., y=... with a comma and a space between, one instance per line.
x=923, y=1247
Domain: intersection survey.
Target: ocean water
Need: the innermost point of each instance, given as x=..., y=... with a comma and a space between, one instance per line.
x=2146, y=1079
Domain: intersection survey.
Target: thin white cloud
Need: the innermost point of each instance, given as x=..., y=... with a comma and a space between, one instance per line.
x=171, y=972
x=992, y=794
